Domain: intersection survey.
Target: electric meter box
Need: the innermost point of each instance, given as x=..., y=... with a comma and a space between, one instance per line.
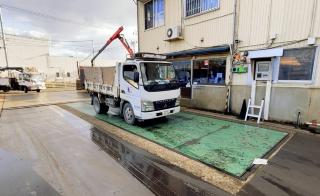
x=263, y=71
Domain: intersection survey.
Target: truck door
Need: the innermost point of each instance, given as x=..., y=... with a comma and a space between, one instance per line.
x=129, y=89
x=24, y=80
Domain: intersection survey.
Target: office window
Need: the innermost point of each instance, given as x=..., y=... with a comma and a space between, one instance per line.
x=194, y=7
x=297, y=64
x=154, y=13
x=211, y=71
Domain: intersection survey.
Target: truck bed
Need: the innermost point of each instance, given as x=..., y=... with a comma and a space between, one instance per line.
x=101, y=80
x=4, y=81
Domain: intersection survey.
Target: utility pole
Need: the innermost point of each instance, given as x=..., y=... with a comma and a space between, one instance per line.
x=92, y=47
x=3, y=39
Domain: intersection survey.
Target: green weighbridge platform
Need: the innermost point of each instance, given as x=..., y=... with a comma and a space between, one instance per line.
x=228, y=146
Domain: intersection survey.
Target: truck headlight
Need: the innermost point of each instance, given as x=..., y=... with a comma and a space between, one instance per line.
x=147, y=106
x=178, y=101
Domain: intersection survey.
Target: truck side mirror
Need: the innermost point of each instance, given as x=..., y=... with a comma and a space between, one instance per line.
x=136, y=77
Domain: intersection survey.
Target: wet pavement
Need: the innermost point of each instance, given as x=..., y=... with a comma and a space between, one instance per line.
x=18, y=178
x=17, y=99
x=294, y=171
x=157, y=174
x=48, y=151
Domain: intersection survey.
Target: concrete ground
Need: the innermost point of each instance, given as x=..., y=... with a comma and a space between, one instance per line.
x=16, y=99
x=49, y=151
x=294, y=171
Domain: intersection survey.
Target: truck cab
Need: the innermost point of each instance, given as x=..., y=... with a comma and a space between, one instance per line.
x=31, y=82
x=148, y=90
x=143, y=87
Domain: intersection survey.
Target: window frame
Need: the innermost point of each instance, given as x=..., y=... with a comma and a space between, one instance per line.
x=306, y=82
x=154, y=15
x=209, y=84
x=137, y=87
x=201, y=12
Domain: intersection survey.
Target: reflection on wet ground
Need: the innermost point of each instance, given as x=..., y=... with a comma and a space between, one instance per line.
x=156, y=174
x=44, y=98
x=19, y=179
x=56, y=146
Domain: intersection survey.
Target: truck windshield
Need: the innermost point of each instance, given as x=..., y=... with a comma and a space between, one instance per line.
x=158, y=76
x=37, y=77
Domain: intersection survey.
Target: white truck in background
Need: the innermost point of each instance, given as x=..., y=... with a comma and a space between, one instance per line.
x=14, y=78
x=144, y=87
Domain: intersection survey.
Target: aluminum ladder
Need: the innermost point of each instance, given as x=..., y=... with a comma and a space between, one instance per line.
x=251, y=108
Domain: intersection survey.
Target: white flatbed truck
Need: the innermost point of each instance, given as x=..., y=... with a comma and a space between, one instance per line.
x=14, y=78
x=143, y=88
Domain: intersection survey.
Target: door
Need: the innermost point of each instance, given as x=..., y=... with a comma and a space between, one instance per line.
x=129, y=89
x=262, y=91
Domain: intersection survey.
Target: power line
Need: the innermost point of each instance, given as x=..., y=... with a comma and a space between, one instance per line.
x=9, y=7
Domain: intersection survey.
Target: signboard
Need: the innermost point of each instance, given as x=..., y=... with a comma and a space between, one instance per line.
x=240, y=69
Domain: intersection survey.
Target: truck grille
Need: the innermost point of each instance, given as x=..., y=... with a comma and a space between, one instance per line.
x=164, y=104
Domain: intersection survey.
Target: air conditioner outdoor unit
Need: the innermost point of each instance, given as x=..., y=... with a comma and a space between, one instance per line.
x=173, y=33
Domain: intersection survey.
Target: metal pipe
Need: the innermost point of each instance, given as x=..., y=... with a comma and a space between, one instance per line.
x=313, y=124
x=3, y=39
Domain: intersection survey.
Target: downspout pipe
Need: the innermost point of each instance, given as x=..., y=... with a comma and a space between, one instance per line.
x=233, y=49
x=138, y=26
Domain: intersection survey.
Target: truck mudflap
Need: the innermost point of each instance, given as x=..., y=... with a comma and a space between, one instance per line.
x=159, y=113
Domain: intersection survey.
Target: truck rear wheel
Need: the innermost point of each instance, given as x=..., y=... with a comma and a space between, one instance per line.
x=99, y=108
x=25, y=89
x=6, y=89
x=128, y=114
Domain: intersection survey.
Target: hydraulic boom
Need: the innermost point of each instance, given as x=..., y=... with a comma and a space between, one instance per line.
x=116, y=35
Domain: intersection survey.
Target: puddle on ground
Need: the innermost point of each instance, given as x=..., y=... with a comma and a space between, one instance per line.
x=158, y=175
x=17, y=178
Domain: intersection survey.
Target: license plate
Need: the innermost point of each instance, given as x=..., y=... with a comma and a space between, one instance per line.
x=166, y=112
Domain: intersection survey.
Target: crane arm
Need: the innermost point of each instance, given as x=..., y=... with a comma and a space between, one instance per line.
x=116, y=35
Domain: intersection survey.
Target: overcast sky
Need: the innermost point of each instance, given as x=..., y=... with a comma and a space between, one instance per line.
x=72, y=20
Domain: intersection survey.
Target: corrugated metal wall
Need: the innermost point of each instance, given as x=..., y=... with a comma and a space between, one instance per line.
x=288, y=20
x=258, y=22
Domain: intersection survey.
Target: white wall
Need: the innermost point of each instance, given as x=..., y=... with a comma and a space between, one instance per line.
x=34, y=52
x=25, y=52
x=63, y=65
x=215, y=27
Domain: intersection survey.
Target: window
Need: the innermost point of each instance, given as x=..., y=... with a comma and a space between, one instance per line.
x=57, y=75
x=128, y=74
x=209, y=71
x=194, y=7
x=68, y=74
x=183, y=70
x=297, y=64
x=154, y=13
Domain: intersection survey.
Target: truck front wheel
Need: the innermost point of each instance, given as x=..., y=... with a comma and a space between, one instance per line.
x=100, y=108
x=128, y=114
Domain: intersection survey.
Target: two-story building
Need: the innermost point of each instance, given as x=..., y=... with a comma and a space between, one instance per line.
x=226, y=51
